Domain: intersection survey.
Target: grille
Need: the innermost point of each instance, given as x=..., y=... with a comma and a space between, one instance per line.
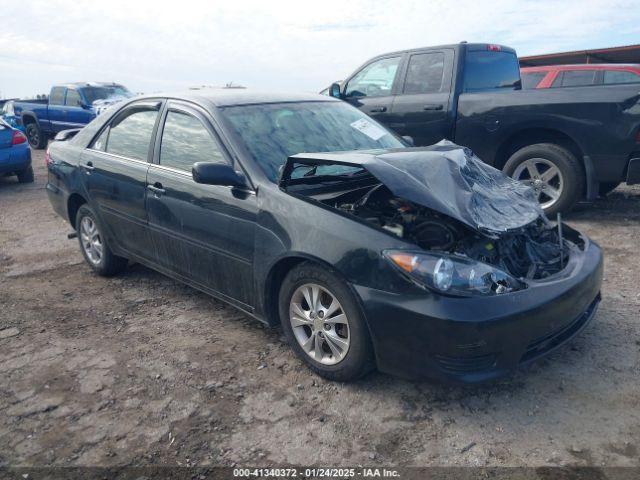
x=464, y=365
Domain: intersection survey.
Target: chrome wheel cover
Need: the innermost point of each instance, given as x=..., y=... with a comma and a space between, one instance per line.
x=319, y=324
x=90, y=240
x=544, y=177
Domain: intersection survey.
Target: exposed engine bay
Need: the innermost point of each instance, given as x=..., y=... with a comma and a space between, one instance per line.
x=531, y=252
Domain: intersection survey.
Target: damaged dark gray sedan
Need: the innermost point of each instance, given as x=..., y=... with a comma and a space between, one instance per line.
x=422, y=262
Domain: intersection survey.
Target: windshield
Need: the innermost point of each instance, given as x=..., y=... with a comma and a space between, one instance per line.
x=91, y=94
x=274, y=132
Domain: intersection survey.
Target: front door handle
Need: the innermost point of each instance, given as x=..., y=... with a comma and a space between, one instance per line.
x=432, y=107
x=378, y=109
x=156, y=188
x=88, y=166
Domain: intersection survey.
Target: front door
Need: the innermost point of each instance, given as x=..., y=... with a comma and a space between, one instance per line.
x=115, y=171
x=203, y=233
x=372, y=88
x=421, y=108
x=77, y=116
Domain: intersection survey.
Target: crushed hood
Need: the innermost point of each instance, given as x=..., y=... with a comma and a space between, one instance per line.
x=445, y=177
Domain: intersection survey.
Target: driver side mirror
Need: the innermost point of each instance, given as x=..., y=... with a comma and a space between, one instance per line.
x=212, y=173
x=334, y=90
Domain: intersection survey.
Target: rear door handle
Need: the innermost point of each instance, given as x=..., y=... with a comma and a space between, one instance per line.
x=432, y=107
x=378, y=109
x=156, y=188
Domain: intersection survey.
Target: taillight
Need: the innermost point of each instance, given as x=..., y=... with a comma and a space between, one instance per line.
x=494, y=48
x=47, y=158
x=18, y=138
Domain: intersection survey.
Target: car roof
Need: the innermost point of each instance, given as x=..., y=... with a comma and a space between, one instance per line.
x=469, y=46
x=89, y=84
x=228, y=97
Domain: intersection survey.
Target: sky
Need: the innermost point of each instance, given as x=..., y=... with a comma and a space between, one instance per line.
x=152, y=46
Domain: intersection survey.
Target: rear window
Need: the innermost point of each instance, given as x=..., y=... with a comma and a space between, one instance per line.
x=532, y=79
x=489, y=70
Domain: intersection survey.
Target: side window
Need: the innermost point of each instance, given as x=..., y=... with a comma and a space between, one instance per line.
x=100, y=143
x=185, y=141
x=424, y=74
x=578, y=78
x=57, y=96
x=73, y=98
x=374, y=80
x=619, y=76
x=130, y=134
x=531, y=79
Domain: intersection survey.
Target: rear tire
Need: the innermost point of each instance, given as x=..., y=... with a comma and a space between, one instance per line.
x=94, y=246
x=566, y=186
x=26, y=175
x=606, y=188
x=345, y=352
x=37, y=139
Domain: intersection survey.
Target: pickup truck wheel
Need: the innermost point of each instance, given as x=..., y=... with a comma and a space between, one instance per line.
x=37, y=139
x=324, y=325
x=26, y=175
x=94, y=246
x=554, y=173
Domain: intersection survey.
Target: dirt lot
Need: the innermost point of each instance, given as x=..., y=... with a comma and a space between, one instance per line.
x=139, y=369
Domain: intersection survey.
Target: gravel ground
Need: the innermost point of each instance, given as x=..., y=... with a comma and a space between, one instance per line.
x=139, y=369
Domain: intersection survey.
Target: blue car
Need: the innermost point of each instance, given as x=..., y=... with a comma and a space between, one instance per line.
x=15, y=154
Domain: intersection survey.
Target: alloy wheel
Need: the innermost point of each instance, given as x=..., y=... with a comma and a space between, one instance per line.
x=91, y=240
x=319, y=324
x=544, y=177
x=34, y=136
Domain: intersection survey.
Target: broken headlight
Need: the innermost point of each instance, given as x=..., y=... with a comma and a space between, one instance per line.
x=452, y=274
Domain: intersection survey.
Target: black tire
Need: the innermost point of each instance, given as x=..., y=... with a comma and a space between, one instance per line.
x=37, y=139
x=569, y=166
x=108, y=264
x=606, y=188
x=359, y=358
x=26, y=175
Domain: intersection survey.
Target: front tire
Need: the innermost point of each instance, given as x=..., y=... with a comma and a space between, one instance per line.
x=94, y=246
x=37, y=139
x=26, y=175
x=324, y=324
x=554, y=173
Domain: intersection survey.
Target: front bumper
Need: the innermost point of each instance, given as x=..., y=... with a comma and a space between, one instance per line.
x=469, y=340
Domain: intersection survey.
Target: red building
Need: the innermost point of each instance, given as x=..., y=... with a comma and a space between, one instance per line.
x=625, y=54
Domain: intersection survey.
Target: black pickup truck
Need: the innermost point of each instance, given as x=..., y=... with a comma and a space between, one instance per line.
x=569, y=143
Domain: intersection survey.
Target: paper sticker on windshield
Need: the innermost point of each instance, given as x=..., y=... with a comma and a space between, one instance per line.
x=369, y=129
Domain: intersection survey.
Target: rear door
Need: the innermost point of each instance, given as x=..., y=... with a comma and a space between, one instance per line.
x=203, y=233
x=115, y=170
x=421, y=107
x=372, y=88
